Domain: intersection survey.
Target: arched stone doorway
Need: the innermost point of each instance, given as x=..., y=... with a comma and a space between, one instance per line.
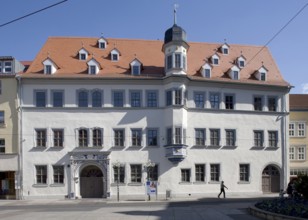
x=91, y=182
x=270, y=179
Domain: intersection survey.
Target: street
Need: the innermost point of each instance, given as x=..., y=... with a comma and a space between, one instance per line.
x=209, y=208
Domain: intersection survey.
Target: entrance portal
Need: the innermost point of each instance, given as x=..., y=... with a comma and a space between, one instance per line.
x=270, y=179
x=91, y=182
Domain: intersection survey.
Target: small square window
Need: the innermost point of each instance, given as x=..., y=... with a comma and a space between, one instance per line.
x=8, y=67
x=82, y=56
x=225, y=51
x=241, y=63
x=102, y=45
x=114, y=57
x=215, y=61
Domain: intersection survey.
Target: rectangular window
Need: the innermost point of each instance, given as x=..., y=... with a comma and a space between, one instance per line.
x=258, y=138
x=272, y=104
x=135, y=172
x=152, y=137
x=152, y=173
x=200, y=172
x=152, y=98
x=301, y=152
x=82, y=56
x=168, y=98
x=119, y=137
x=230, y=137
x=41, y=174
x=257, y=103
x=235, y=75
x=83, y=137
x=214, y=100
x=58, y=137
x=115, y=57
x=1, y=67
x=215, y=61
x=200, y=136
x=40, y=98
x=48, y=69
x=83, y=100
x=262, y=76
x=8, y=67
x=58, y=174
x=97, y=98
x=118, y=99
x=136, y=70
x=136, y=137
x=97, y=137
x=185, y=175
x=272, y=139
x=177, y=60
x=207, y=73
x=2, y=145
x=92, y=69
x=178, y=97
x=169, y=62
x=57, y=98
x=102, y=45
x=119, y=173
x=292, y=153
x=215, y=172
x=291, y=129
x=301, y=129
x=229, y=101
x=41, y=137
x=0, y=85
x=178, y=135
x=244, y=173
x=135, y=98
x=2, y=121
x=199, y=99
x=214, y=137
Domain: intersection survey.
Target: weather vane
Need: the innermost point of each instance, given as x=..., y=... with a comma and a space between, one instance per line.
x=176, y=6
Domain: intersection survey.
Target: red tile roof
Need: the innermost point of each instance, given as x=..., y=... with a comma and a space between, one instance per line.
x=64, y=52
x=298, y=102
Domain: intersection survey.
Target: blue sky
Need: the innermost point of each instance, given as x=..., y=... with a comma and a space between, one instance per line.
x=252, y=22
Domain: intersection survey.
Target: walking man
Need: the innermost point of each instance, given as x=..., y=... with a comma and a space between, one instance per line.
x=222, y=189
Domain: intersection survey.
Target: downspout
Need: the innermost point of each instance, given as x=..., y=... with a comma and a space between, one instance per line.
x=20, y=154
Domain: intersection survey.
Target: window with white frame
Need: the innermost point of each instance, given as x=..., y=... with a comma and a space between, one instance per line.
x=297, y=152
x=8, y=67
x=272, y=138
x=185, y=175
x=206, y=70
x=215, y=172
x=83, y=135
x=136, y=135
x=135, y=173
x=152, y=98
x=230, y=137
x=58, y=174
x=244, y=172
x=199, y=99
x=200, y=136
x=215, y=59
x=119, y=173
x=258, y=138
x=200, y=172
x=292, y=129
x=136, y=70
x=176, y=135
x=301, y=129
x=41, y=137
x=97, y=137
x=119, y=137
x=152, y=137
x=58, y=137
x=135, y=98
x=297, y=129
x=214, y=137
x=114, y=55
x=174, y=97
x=2, y=145
x=48, y=69
x=214, y=100
x=41, y=174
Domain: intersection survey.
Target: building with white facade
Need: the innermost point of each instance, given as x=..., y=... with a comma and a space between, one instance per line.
x=96, y=111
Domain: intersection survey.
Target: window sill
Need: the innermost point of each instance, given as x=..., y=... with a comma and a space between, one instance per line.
x=185, y=183
x=213, y=147
x=115, y=184
x=214, y=182
x=243, y=182
x=272, y=148
x=135, y=184
x=199, y=146
x=57, y=185
x=38, y=185
x=199, y=183
x=229, y=147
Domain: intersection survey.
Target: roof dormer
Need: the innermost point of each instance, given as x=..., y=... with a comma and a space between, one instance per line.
x=261, y=74
x=215, y=59
x=224, y=49
x=83, y=54
x=93, y=67
x=49, y=66
x=234, y=73
x=102, y=43
x=206, y=70
x=241, y=61
x=115, y=54
x=135, y=67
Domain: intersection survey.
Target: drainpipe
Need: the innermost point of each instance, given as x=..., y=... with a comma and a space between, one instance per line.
x=19, y=110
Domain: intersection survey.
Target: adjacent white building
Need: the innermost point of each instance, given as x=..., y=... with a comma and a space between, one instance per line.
x=95, y=111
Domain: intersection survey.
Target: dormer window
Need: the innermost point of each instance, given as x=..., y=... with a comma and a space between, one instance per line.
x=49, y=66
x=206, y=71
x=261, y=74
x=115, y=55
x=83, y=54
x=225, y=49
x=102, y=43
x=135, y=67
x=241, y=61
x=234, y=73
x=6, y=67
x=93, y=67
x=215, y=59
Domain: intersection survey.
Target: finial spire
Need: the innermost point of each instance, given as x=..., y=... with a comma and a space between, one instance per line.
x=174, y=13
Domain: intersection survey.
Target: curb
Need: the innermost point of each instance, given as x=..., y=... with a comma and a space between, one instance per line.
x=270, y=215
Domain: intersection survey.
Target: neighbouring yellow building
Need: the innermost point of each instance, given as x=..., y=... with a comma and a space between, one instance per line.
x=298, y=134
x=9, y=138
